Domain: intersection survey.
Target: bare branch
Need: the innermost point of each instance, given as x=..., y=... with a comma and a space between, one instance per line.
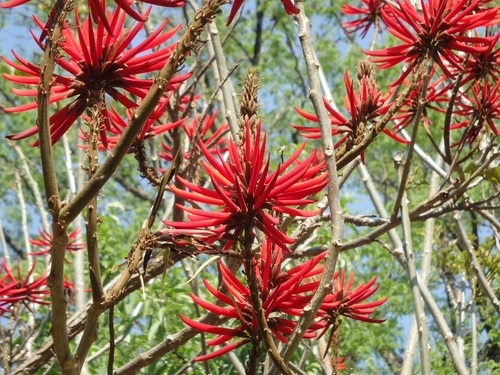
x=337, y=219
x=411, y=269
x=464, y=239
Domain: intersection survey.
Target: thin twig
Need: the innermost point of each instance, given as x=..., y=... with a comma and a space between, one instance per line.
x=473, y=365
x=92, y=220
x=111, y=357
x=33, y=186
x=416, y=124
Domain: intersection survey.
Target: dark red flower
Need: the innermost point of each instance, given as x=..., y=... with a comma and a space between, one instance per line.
x=436, y=93
x=98, y=7
x=215, y=142
x=282, y=293
x=44, y=241
x=289, y=6
x=119, y=125
x=347, y=302
x=341, y=364
x=483, y=64
x=99, y=64
x=15, y=288
x=251, y=196
x=364, y=107
x=481, y=109
x=188, y=100
x=439, y=29
x=369, y=15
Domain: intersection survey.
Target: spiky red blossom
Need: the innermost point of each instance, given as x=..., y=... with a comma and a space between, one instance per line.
x=282, y=293
x=436, y=93
x=97, y=7
x=214, y=142
x=100, y=65
x=250, y=196
x=289, y=6
x=364, y=107
x=349, y=303
x=119, y=125
x=484, y=64
x=369, y=14
x=440, y=29
x=16, y=289
x=341, y=365
x=187, y=101
x=481, y=109
x=44, y=241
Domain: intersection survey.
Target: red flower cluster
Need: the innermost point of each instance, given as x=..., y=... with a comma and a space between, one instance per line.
x=344, y=301
x=119, y=124
x=44, y=241
x=282, y=293
x=194, y=130
x=481, y=109
x=248, y=193
x=15, y=288
x=370, y=14
x=436, y=93
x=289, y=6
x=364, y=107
x=99, y=63
x=482, y=64
x=97, y=8
x=439, y=30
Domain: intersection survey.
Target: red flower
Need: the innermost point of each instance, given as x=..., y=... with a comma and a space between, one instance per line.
x=483, y=64
x=433, y=96
x=347, y=302
x=215, y=142
x=14, y=289
x=248, y=193
x=97, y=8
x=282, y=293
x=439, y=29
x=370, y=14
x=364, y=107
x=98, y=63
x=45, y=242
x=289, y=6
x=118, y=126
x=341, y=364
x=482, y=110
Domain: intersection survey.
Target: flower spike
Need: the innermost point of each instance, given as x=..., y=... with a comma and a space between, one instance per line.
x=250, y=195
x=100, y=64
